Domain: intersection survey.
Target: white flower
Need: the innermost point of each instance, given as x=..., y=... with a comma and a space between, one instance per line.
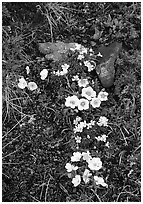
x=103, y=96
x=83, y=124
x=89, y=125
x=65, y=66
x=72, y=101
x=76, y=181
x=78, y=128
x=76, y=157
x=95, y=102
x=78, y=119
x=102, y=138
x=22, y=83
x=92, y=122
x=76, y=47
x=75, y=78
x=86, y=176
x=63, y=72
x=99, y=54
x=57, y=73
x=83, y=50
x=88, y=136
x=95, y=163
x=44, y=74
x=78, y=139
x=102, y=121
x=70, y=167
x=83, y=104
x=86, y=156
x=32, y=86
x=82, y=82
x=89, y=66
x=88, y=92
x=27, y=69
x=80, y=57
x=100, y=181
x=91, y=50
x=107, y=144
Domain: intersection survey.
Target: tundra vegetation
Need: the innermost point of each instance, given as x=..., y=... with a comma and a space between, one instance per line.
x=68, y=136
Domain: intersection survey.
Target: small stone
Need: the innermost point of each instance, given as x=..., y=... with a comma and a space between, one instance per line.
x=106, y=70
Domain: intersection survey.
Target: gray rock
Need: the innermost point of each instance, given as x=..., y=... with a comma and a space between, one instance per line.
x=106, y=70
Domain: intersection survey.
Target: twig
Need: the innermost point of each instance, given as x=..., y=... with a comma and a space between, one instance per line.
x=124, y=137
x=96, y=195
x=47, y=189
x=34, y=198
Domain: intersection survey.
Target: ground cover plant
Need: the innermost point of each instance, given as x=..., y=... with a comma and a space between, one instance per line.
x=66, y=138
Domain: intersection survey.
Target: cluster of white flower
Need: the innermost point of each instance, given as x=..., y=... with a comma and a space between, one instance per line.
x=103, y=121
x=102, y=138
x=89, y=66
x=75, y=78
x=80, y=125
x=64, y=70
x=81, y=49
x=30, y=85
x=89, y=97
x=93, y=163
x=78, y=139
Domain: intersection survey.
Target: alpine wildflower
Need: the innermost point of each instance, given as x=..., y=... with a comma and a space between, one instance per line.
x=22, y=83
x=89, y=66
x=95, y=163
x=99, y=55
x=103, y=96
x=32, y=86
x=80, y=57
x=78, y=139
x=57, y=73
x=86, y=156
x=89, y=125
x=65, y=66
x=78, y=128
x=76, y=157
x=76, y=47
x=107, y=144
x=100, y=181
x=103, y=121
x=44, y=74
x=72, y=101
x=102, y=138
x=83, y=50
x=82, y=82
x=86, y=176
x=83, y=104
x=95, y=102
x=88, y=93
x=78, y=119
x=75, y=78
x=69, y=167
x=76, y=180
